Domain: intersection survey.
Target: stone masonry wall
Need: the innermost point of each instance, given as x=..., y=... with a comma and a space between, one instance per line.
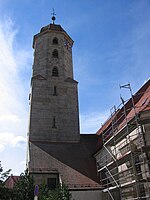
x=48, y=109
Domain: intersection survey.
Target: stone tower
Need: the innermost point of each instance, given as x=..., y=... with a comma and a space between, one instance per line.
x=56, y=150
x=54, y=114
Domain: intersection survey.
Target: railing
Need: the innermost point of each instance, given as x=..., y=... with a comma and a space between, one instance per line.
x=87, y=186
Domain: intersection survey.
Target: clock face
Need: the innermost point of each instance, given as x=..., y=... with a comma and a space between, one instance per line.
x=67, y=44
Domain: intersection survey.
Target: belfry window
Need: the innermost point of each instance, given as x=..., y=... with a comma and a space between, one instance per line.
x=55, y=41
x=55, y=71
x=55, y=53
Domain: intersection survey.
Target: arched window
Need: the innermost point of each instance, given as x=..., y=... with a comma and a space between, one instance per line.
x=55, y=71
x=55, y=53
x=55, y=41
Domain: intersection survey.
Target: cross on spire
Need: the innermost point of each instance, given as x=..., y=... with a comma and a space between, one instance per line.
x=53, y=17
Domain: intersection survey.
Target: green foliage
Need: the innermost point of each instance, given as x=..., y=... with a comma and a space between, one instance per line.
x=43, y=191
x=3, y=175
x=60, y=193
x=65, y=195
x=5, y=193
x=24, y=188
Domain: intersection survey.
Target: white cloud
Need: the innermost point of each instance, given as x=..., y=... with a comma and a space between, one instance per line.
x=13, y=118
x=9, y=139
x=13, y=107
x=11, y=87
x=23, y=163
x=90, y=123
x=7, y=35
x=1, y=147
x=8, y=75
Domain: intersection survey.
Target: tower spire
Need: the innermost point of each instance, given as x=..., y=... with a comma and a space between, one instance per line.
x=53, y=16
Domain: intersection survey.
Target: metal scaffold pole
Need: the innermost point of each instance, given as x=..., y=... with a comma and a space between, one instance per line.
x=138, y=161
x=123, y=162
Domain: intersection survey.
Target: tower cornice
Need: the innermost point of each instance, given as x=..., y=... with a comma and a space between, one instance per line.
x=52, y=28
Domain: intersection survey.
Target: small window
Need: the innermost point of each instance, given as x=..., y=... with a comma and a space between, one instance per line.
x=54, y=122
x=52, y=183
x=55, y=71
x=55, y=41
x=55, y=91
x=55, y=53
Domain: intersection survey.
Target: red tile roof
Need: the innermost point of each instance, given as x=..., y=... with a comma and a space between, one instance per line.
x=77, y=155
x=75, y=160
x=141, y=103
x=10, y=181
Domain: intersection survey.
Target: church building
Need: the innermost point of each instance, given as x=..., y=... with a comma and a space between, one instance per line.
x=114, y=163
x=57, y=152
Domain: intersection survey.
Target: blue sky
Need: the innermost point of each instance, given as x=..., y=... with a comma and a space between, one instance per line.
x=112, y=47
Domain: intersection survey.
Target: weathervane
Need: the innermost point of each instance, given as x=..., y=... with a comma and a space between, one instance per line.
x=53, y=17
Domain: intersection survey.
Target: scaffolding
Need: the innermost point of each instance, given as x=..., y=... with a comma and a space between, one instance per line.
x=124, y=161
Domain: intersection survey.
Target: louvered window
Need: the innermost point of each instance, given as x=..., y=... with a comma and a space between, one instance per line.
x=55, y=53
x=55, y=71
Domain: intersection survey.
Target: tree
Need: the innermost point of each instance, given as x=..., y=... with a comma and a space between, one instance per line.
x=5, y=193
x=60, y=193
x=3, y=175
x=65, y=194
x=24, y=188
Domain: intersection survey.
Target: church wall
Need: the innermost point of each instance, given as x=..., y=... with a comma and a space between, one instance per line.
x=63, y=106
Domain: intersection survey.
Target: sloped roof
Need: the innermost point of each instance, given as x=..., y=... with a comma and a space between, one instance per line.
x=10, y=181
x=77, y=156
x=51, y=163
x=141, y=103
x=54, y=27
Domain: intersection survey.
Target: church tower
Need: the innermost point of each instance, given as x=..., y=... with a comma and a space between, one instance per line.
x=54, y=114
x=56, y=150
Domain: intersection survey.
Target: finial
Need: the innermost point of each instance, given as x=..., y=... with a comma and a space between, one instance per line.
x=53, y=17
